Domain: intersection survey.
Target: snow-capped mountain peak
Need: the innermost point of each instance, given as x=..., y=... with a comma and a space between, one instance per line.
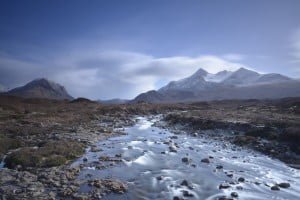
x=218, y=77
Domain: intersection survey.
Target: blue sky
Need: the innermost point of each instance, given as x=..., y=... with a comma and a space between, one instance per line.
x=107, y=49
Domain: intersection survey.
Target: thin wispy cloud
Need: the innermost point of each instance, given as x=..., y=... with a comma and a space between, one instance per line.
x=234, y=57
x=111, y=74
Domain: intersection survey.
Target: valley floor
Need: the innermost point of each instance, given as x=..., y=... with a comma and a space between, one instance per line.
x=39, y=139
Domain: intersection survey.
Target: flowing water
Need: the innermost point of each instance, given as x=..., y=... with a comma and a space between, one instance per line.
x=153, y=172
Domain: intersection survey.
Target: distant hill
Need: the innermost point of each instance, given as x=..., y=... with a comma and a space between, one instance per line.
x=40, y=88
x=113, y=101
x=240, y=84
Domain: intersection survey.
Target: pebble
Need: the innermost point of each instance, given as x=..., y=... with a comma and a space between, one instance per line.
x=187, y=193
x=275, y=187
x=219, y=167
x=224, y=186
x=284, y=185
x=241, y=179
x=184, y=183
x=186, y=160
x=234, y=194
x=205, y=160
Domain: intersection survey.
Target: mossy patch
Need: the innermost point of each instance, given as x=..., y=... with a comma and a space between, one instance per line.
x=52, y=153
x=7, y=144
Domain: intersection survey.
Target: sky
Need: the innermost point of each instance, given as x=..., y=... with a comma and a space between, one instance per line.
x=117, y=49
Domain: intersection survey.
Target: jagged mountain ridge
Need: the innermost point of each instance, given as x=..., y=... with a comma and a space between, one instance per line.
x=41, y=88
x=240, y=84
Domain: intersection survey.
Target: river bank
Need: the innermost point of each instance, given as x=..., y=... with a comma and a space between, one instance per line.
x=41, y=139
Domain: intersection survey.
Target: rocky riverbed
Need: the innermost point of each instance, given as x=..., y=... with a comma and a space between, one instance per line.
x=155, y=163
x=84, y=150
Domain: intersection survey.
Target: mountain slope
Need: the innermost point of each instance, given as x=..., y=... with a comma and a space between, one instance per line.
x=192, y=83
x=41, y=88
x=240, y=84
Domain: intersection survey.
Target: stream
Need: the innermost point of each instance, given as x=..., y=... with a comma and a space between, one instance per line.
x=153, y=169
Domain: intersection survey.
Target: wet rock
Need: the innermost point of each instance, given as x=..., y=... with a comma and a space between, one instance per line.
x=195, y=134
x=109, y=185
x=186, y=193
x=191, y=148
x=224, y=186
x=241, y=179
x=177, y=198
x=109, y=159
x=85, y=159
x=224, y=198
x=95, y=149
x=239, y=188
x=174, y=137
x=230, y=175
x=173, y=148
x=275, y=187
x=118, y=155
x=219, y=167
x=184, y=183
x=159, y=178
x=186, y=160
x=205, y=160
x=234, y=194
x=284, y=185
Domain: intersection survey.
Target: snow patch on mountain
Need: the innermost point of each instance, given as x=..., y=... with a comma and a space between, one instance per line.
x=218, y=77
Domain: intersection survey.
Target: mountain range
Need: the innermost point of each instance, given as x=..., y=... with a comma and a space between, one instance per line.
x=40, y=88
x=200, y=86
x=240, y=84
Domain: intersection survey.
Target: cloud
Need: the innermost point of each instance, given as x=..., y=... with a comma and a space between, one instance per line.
x=109, y=74
x=234, y=57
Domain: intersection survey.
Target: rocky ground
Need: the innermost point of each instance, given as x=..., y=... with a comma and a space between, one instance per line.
x=40, y=138
x=271, y=127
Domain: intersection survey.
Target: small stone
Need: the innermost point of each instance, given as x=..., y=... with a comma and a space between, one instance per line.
x=187, y=193
x=205, y=160
x=239, y=187
x=118, y=155
x=275, y=187
x=230, y=175
x=224, y=186
x=234, y=194
x=159, y=178
x=219, y=167
x=191, y=148
x=241, y=179
x=172, y=148
x=85, y=159
x=186, y=160
x=184, y=183
x=284, y=185
x=177, y=198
